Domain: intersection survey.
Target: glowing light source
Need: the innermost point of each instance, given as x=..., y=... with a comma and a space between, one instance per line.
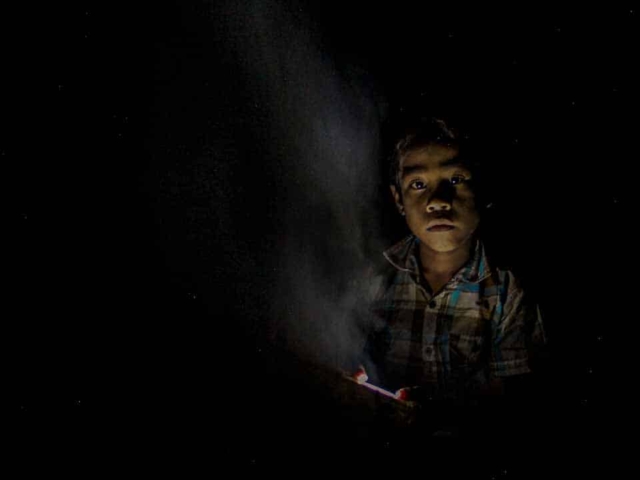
x=361, y=377
x=382, y=391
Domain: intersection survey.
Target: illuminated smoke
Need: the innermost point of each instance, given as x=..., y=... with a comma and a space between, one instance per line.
x=324, y=122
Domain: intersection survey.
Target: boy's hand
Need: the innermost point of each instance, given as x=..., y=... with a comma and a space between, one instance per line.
x=360, y=376
x=406, y=394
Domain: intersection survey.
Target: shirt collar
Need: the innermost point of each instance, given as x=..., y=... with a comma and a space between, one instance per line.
x=403, y=256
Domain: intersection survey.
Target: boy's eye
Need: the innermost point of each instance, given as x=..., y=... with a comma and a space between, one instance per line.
x=418, y=185
x=457, y=179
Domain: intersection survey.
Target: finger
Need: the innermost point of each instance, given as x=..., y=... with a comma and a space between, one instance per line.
x=402, y=394
x=361, y=375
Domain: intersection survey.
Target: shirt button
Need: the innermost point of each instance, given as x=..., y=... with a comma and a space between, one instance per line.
x=432, y=304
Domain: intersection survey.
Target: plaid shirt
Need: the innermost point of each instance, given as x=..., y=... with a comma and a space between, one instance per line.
x=480, y=324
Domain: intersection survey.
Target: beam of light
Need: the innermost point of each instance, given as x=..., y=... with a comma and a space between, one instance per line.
x=321, y=149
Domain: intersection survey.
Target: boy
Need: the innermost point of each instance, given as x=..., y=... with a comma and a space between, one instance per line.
x=446, y=327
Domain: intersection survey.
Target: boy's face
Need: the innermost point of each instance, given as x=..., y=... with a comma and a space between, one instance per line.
x=436, y=196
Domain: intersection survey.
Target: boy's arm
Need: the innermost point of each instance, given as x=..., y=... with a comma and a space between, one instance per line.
x=516, y=394
x=518, y=339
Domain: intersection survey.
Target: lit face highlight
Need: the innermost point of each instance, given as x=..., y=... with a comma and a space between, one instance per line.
x=435, y=193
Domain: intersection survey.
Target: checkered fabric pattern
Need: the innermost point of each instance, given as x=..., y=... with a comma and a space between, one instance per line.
x=480, y=324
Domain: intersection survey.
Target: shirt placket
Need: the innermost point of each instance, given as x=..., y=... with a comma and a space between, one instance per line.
x=426, y=316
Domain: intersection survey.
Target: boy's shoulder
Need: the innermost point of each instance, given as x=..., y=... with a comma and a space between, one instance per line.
x=398, y=264
x=384, y=268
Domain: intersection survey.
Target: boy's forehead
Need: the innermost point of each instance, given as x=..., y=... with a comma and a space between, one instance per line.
x=431, y=157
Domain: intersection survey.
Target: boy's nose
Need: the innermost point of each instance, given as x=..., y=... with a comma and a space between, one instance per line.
x=438, y=204
x=441, y=198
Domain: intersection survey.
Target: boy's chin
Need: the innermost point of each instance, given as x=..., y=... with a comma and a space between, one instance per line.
x=442, y=248
x=443, y=245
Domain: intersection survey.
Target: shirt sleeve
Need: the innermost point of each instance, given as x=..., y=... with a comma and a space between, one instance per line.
x=517, y=334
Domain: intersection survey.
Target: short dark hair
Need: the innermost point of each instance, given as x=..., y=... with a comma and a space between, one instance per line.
x=411, y=134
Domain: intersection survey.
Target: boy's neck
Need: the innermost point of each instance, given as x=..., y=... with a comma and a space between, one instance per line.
x=439, y=267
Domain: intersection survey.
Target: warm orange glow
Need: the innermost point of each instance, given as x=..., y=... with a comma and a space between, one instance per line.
x=402, y=394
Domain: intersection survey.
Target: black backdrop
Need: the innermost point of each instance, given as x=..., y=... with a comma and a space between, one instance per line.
x=152, y=198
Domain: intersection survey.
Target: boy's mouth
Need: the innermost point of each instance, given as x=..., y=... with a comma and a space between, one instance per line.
x=440, y=227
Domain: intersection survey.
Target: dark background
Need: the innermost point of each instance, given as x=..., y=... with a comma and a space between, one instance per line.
x=145, y=219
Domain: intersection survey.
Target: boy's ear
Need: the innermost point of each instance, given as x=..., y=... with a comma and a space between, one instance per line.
x=397, y=198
